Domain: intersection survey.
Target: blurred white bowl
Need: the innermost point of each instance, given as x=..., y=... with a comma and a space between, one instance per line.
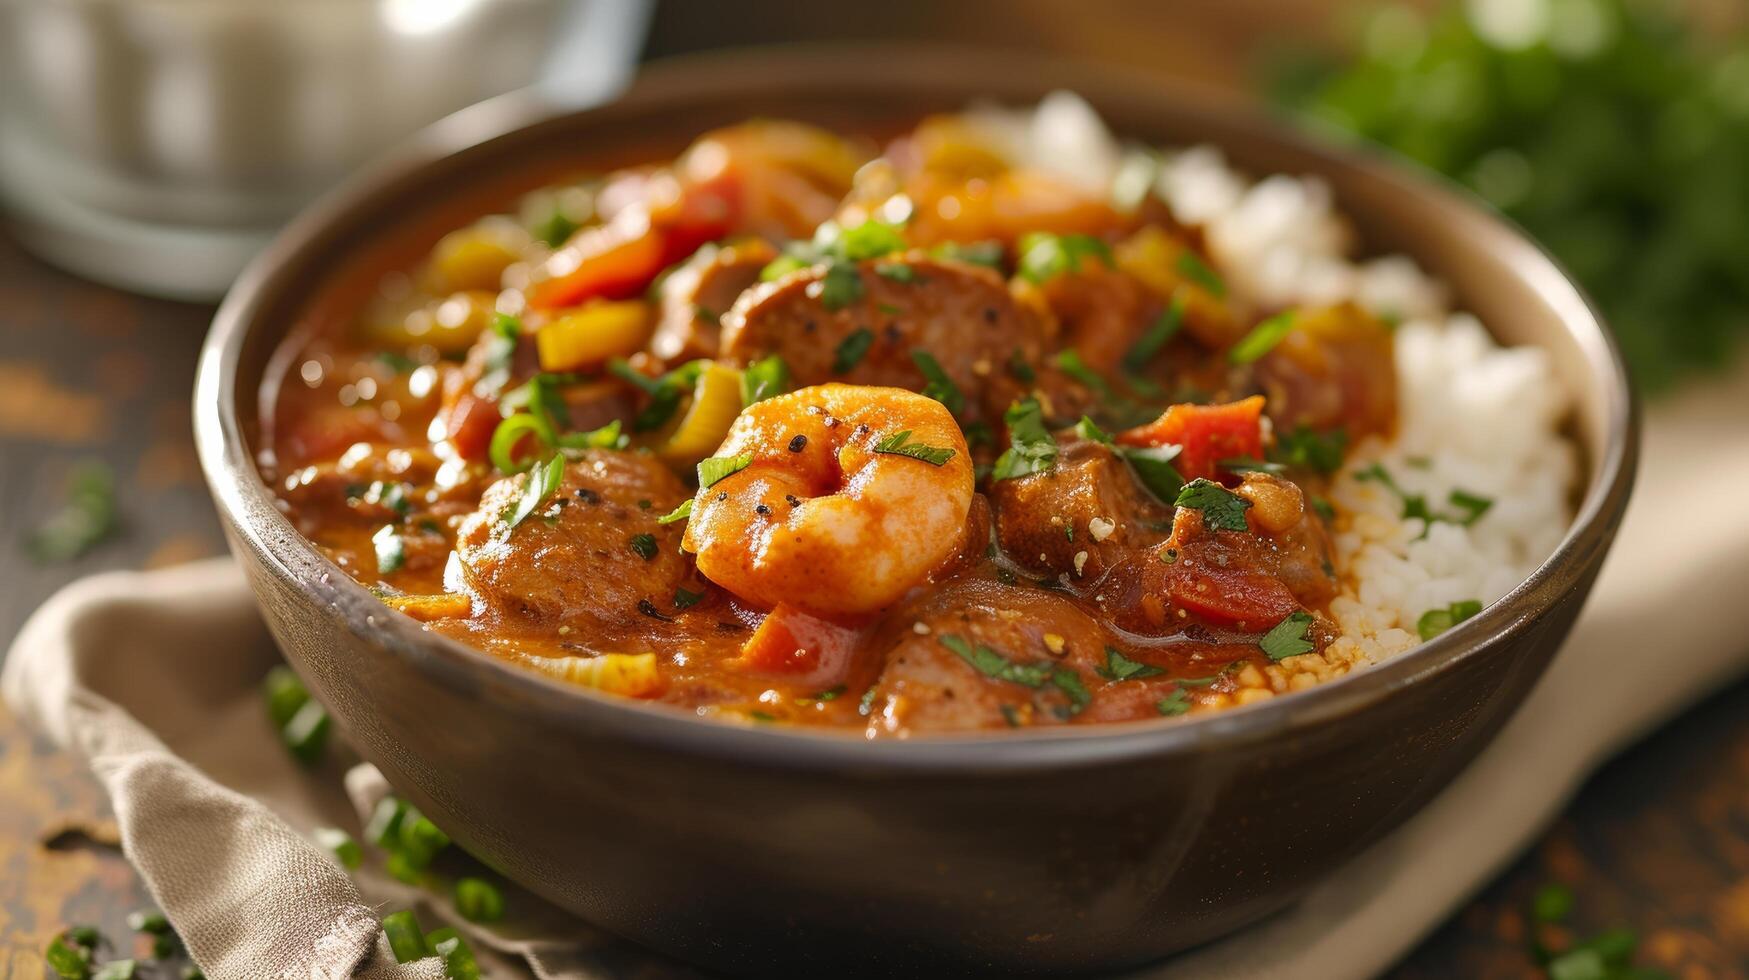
x=157, y=144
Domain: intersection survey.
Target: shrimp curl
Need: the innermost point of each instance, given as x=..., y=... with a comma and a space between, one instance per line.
x=820, y=518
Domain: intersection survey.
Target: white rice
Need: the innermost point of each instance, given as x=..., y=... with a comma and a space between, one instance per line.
x=1473, y=416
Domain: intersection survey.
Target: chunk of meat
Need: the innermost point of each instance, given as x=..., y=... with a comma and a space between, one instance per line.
x=696, y=294
x=961, y=314
x=1079, y=518
x=582, y=558
x=1205, y=434
x=988, y=656
x=1335, y=369
x=373, y=484
x=1102, y=312
x=1242, y=581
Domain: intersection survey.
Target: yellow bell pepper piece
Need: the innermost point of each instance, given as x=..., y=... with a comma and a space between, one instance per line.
x=425, y=608
x=716, y=401
x=592, y=334
x=634, y=675
x=475, y=257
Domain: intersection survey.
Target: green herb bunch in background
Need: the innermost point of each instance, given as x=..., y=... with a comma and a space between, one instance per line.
x=1617, y=134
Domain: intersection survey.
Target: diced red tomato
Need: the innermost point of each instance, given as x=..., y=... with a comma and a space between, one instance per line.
x=1247, y=600
x=804, y=647
x=620, y=259
x=1206, y=434
x=471, y=422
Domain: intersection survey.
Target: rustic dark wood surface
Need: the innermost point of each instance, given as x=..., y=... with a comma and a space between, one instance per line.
x=1658, y=840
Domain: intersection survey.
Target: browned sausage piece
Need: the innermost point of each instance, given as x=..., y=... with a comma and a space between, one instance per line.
x=1079, y=518
x=961, y=314
x=699, y=291
x=1336, y=369
x=590, y=555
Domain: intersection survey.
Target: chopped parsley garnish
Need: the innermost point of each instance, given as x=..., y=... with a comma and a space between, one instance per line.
x=608, y=436
x=665, y=392
x=644, y=546
x=1174, y=704
x=1470, y=506
x=994, y=665
x=1192, y=267
x=1324, y=508
x=1070, y=362
x=896, y=271
x=1288, y=638
x=1249, y=464
x=1090, y=431
x=1221, y=508
x=1163, y=329
x=1262, y=338
x=1021, y=370
x=1069, y=682
x=680, y=513
x=1153, y=466
x=84, y=519
x=869, y=240
x=937, y=383
x=897, y=444
x=1436, y=621
x=1121, y=668
x=685, y=598
x=763, y=378
x=829, y=694
x=542, y=482
x=973, y=253
x=390, y=548
x=500, y=353
x=852, y=349
x=1031, y=447
x=713, y=470
x=840, y=286
x=1304, y=446
x=1044, y=256
x=781, y=266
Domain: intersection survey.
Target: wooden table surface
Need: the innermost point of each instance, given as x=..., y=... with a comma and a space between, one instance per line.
x=1658, y=840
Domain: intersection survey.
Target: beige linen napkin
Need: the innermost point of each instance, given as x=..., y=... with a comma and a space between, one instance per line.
x=153, y=677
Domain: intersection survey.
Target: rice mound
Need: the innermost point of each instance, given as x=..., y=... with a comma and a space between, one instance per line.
x=1475, y=417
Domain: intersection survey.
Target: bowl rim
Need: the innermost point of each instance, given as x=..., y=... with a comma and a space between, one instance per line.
x=249, y=508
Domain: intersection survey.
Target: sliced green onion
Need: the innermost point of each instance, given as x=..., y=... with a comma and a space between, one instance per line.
x=1262, y=338
x=509, y=433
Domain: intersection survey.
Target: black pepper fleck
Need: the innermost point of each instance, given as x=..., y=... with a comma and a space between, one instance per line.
x=762, y=510
x=797, y=444
x=790, y=498
x=722, y=496
x=588, y=496
x=990, y=314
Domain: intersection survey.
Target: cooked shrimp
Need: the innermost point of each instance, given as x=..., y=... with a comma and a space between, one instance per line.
x=851, y=496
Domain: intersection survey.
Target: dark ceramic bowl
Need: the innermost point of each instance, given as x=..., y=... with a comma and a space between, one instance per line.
x=759, y=850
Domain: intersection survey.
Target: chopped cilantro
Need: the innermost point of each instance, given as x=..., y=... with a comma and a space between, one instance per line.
x=542, y=482
x=869, y=240
x=840, y=286
x=781, y=266
x=1174, y=704
x=1221, y=508
x=713, y=470
x=686, y=598
x=1325, y=509
x=1192, y=267
x=1153, y=466
x=994, y=665
x=1044, y=256
x=1470, y=506
x=1031, y=447
x=644, y=546
x=1090, y=431
x=1164, y=328
x=1304, y=446
x=1288, y=638
x=1262, y=338
x=852, y=349
x=896, y=271
x=1121, y=668
x=973, y=253
x=897, y=445
x=1069, y=682
x=1021, y=370
x=764, y=378
x=679, y=513
x=666, y=392
x=1473, y=506
x=937, y=383
x=1436, y=621
x=608, y=436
